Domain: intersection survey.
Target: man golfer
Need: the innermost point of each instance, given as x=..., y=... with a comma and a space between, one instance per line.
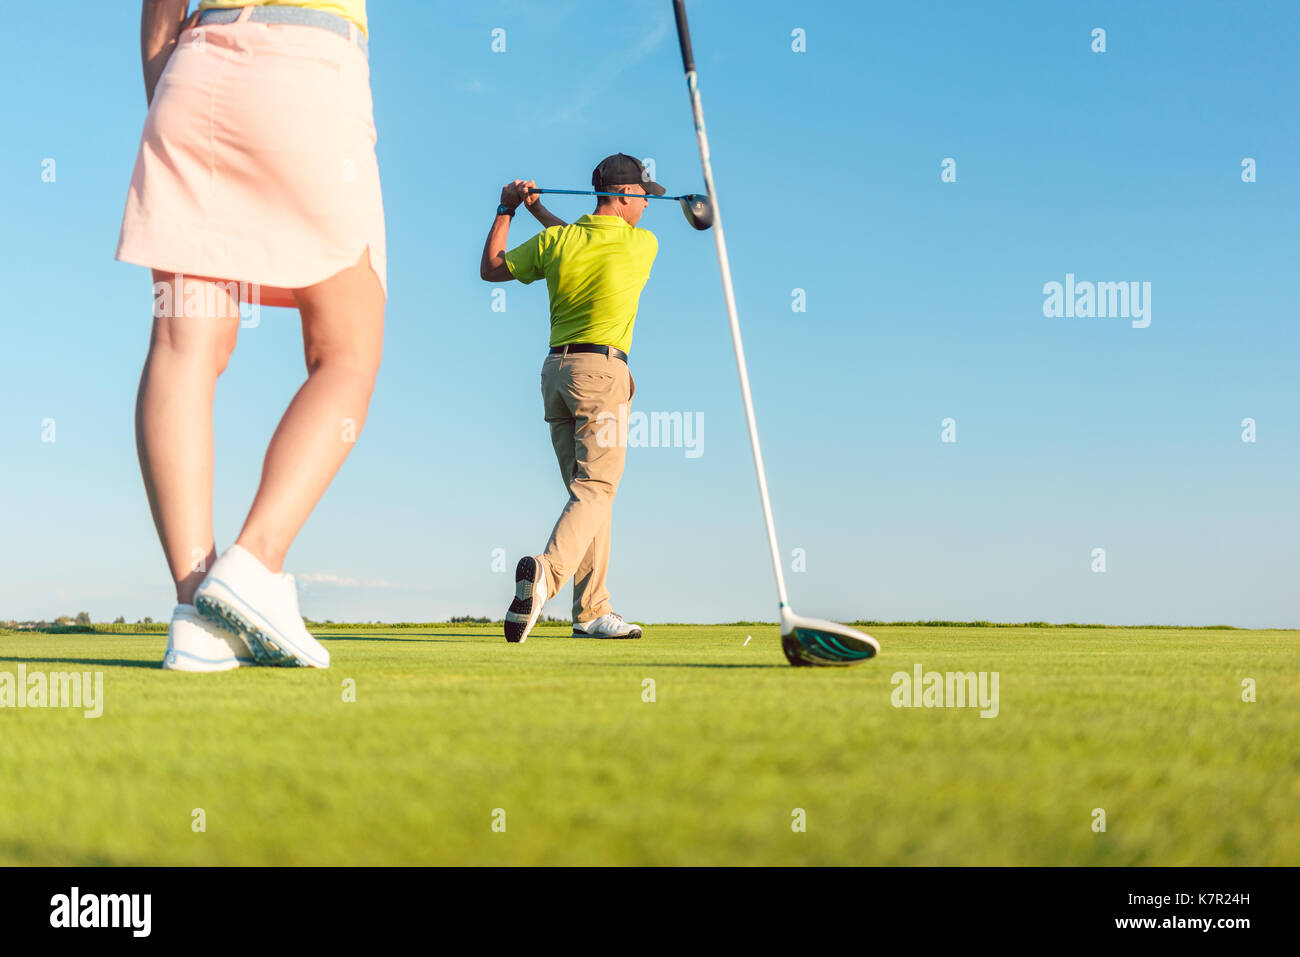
x=595, y=270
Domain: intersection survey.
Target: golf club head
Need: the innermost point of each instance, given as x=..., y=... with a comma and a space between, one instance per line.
x=698, y=210
x=815, y=641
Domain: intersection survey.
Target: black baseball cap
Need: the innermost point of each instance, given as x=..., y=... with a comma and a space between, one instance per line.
x=623, y=170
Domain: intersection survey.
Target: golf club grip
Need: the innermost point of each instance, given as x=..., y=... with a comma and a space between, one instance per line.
x=684, y=36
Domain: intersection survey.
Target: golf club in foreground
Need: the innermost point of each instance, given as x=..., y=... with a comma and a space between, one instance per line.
x=805, y=641
x=698, y=209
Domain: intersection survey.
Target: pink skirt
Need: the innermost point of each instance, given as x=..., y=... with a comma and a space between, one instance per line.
x=257, y=163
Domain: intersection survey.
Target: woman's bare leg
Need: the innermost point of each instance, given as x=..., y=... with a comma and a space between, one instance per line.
x=173, y=422
x=343, y=334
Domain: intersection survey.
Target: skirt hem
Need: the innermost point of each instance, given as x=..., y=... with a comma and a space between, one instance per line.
x=272, y=292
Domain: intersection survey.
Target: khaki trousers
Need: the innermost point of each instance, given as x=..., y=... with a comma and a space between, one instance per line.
x=581, y=394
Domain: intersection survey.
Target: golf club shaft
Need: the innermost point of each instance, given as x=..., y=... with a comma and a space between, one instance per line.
x=592, y=192
x=728, y=292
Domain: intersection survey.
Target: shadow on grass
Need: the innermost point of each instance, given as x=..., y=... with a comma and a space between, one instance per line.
x=21, y=853
x=402, y=638
x=104, y=662
x=666, y=664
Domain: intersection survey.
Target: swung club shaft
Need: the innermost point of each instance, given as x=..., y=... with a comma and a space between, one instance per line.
x=593, y=192
x=728, y=293
x=697, y=209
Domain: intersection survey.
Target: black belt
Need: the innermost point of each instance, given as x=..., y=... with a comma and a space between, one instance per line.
x=588, y=347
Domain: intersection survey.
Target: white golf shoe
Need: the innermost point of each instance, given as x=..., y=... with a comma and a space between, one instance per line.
x=196, y=644
x=530, y=596
x=606, y=626
x=262, y=606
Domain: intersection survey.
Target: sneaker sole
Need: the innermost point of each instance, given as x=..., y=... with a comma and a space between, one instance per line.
x=175, y=660
x=525, y=609
x=634, y=633
x=222, y=606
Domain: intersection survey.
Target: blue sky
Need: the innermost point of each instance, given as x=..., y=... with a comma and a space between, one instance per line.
x=924, y=302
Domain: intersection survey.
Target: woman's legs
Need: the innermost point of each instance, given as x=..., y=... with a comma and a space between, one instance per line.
x=173, y=421
x=343, y=333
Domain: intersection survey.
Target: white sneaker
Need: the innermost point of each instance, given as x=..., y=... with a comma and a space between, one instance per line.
x=195, y=644
x=262, y=606
x=606, y=626
x=530, y=596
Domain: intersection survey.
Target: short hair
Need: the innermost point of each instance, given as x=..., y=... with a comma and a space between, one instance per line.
x=622, y=189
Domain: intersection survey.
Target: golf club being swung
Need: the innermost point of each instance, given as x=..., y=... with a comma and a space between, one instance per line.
x=698, y=209
x=805, y=641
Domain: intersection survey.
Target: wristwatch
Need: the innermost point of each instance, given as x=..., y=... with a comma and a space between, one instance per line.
x=504, y=210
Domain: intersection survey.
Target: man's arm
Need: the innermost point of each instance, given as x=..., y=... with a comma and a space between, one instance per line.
x=533, y=202
x=492, y=267
x=161, y=22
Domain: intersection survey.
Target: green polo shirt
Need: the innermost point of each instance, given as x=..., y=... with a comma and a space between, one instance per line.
x=595, y=269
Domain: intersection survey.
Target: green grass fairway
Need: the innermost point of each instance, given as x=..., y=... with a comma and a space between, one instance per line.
x=450, y=722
